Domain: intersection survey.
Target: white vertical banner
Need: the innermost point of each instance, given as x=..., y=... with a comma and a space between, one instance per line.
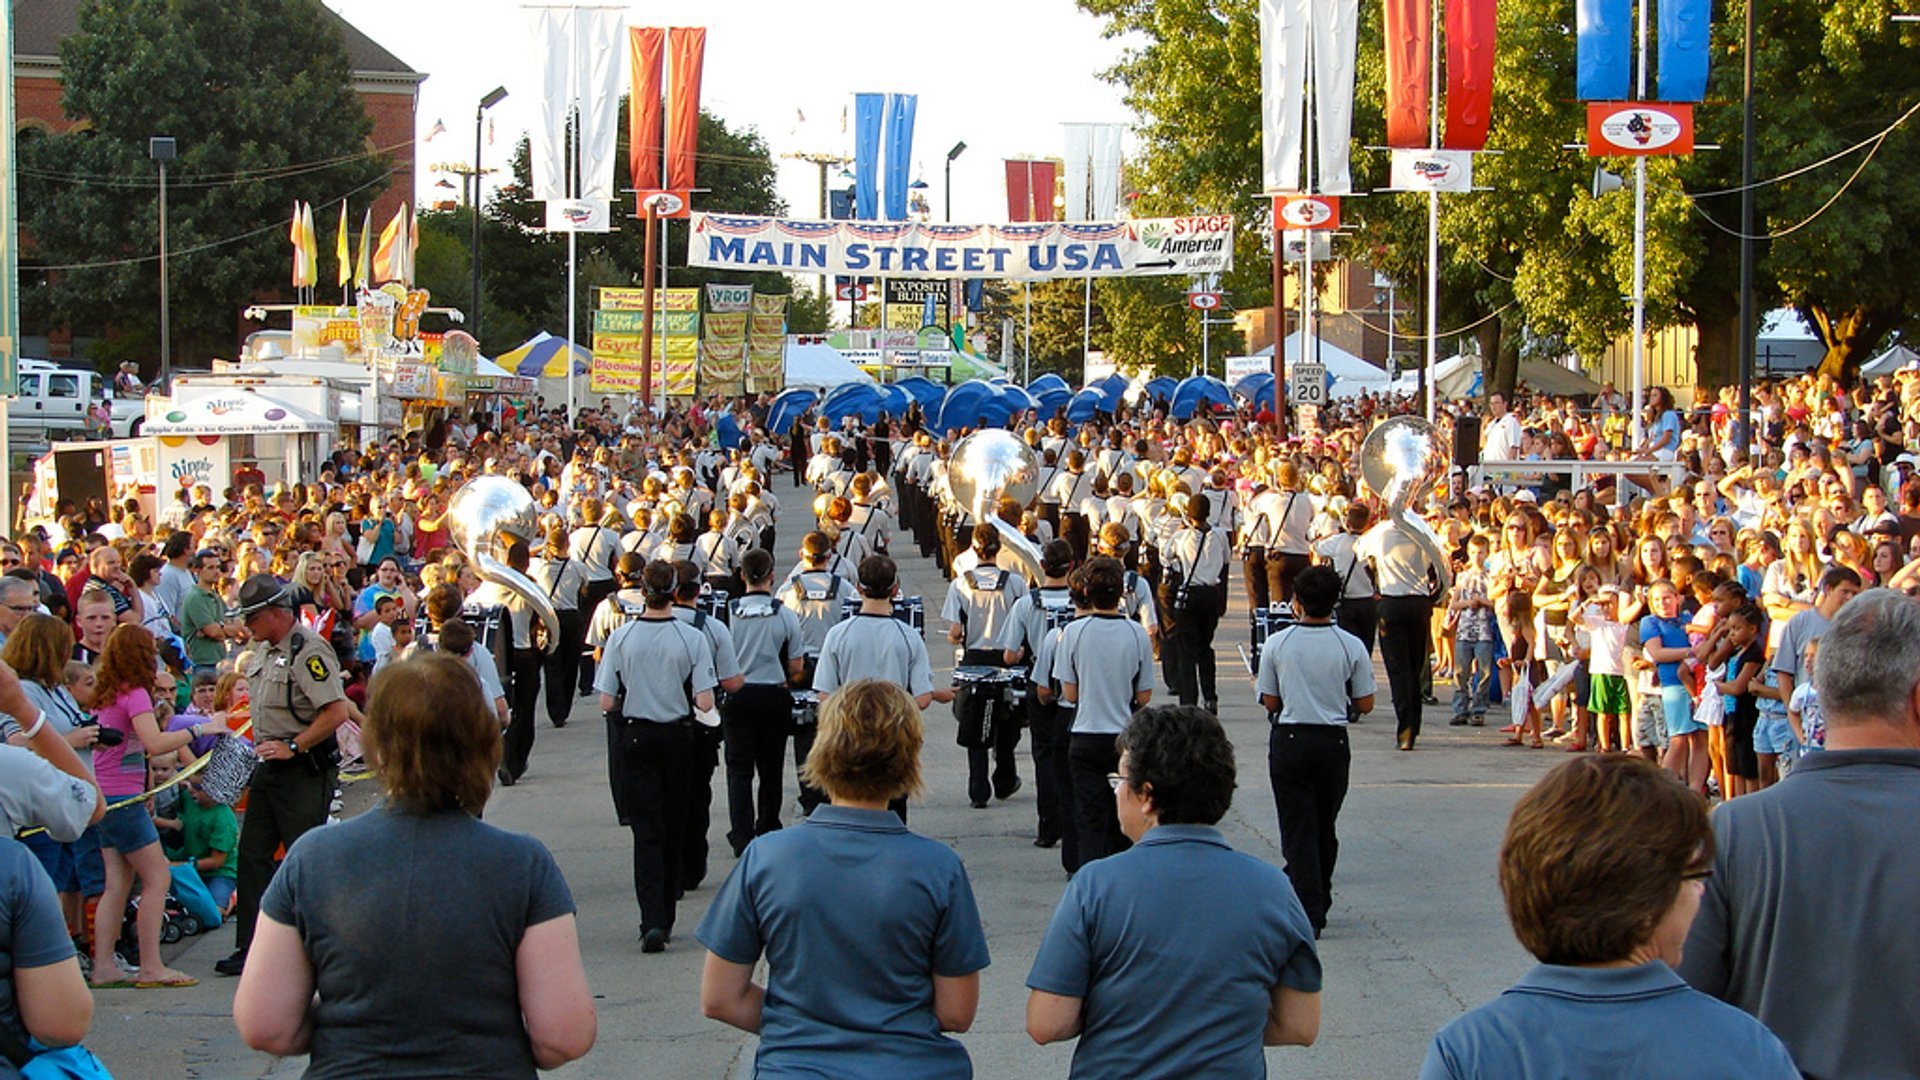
x=1336, y=30
x=1105, y=162
x=1283, y=92
x=599, y=34
x=553, y=46
x=1078, y=167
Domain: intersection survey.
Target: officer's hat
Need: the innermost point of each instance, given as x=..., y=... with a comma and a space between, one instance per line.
x=262, y=591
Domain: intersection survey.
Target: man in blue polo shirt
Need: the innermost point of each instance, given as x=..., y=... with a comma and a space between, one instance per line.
x=1245, y=974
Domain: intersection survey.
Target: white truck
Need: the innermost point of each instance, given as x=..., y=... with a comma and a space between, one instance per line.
x=51, y=402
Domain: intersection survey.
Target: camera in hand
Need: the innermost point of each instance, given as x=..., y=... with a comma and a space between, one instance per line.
x=106, y=736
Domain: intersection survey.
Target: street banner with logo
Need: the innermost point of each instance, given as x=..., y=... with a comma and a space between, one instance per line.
x=1638, y=129
x=1432, y=170
x=767, y=344
x=1037, y=251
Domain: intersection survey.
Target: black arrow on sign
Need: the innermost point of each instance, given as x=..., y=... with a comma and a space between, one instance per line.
x=1168, y=265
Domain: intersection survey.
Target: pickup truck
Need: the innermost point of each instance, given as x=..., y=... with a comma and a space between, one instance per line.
x=51, y=402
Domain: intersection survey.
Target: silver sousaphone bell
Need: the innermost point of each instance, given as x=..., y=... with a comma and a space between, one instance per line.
x=485, y=509
x=1399, y=461
x=988, y=466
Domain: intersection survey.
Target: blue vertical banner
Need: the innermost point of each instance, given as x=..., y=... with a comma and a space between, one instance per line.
x=1684, y=28
x=1603, y=49
x=899, y=167
x=869, y=110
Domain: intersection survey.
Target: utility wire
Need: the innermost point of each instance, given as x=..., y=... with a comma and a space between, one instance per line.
x=1873, y=140
x=1803, y=222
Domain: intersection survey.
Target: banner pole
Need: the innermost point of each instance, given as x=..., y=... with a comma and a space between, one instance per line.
x=1428, y=373
x=646, y=307
x=1086, y=325
x=1639, y=253
x=1279, y=325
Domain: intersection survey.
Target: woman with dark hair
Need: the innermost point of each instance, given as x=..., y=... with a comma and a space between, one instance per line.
x=1245, y=974
x=460, y=954
x=123, y=697
x=872, y=939
x=1603, y=867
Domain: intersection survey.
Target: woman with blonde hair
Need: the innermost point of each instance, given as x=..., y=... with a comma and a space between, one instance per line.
x=462, y=950
x=871, y=935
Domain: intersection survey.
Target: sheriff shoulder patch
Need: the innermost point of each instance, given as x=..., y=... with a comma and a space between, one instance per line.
x=317, y=668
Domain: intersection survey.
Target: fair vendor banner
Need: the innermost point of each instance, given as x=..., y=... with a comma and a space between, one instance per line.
x=617, y=328
x=1036, y=251
x=767, y=344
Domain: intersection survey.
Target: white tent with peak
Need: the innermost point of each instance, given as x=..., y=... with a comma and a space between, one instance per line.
x=1351, y=375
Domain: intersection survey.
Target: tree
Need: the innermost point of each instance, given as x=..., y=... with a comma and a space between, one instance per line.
x=260, y=98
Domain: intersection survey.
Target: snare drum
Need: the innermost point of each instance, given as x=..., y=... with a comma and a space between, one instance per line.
x=911, y=610
x=806, y=706
x=1268, y=621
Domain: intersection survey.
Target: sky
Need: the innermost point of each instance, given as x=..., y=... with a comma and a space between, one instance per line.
x=1001, y=75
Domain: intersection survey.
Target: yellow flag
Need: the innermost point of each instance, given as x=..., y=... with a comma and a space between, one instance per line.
x=362, y=275
x=388, y=260
x=341, y=253
x=299, y=248
x=310, y=242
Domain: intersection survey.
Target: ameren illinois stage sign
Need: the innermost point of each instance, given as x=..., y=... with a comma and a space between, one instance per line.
x=1024, y=252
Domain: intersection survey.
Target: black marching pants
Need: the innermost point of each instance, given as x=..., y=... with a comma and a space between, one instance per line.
x=1405, y=625
x=590, y=603
x=1191, y=669
x=657, y=760
x=693, y=843
x=563, y=665
x=1259, y=592
x=523, y=698
x=1308, y=765
x=756, y=720
x=985, y=707
x=1062, y=769
x=1092, y=758
x=1046, y=785
x=1359, y=617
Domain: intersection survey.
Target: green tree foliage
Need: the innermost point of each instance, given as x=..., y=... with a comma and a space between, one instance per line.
x=260, y=98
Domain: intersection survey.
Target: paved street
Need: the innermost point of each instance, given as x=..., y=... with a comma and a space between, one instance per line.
x=1416, y=934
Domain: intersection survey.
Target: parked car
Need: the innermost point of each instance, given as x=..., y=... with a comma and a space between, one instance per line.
x=51, y=402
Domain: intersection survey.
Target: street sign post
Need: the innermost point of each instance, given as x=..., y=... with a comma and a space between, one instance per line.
x=1307, y=383
x=1203, y=301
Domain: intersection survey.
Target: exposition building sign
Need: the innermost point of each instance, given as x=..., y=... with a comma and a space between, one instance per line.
x=1035, y=251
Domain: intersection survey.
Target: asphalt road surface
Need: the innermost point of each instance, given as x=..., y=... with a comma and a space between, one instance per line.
x=1416, y=935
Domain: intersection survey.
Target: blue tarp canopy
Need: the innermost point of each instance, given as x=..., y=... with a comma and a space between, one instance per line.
x=921, y=389
x=1050, y=399
x=1087, y=402
x=1109, y=390
x=893, y=400
x=1198, y=390
x=1049, y=381
x=787, y=408
x=1161, y=387
x=851, y=399
x=728, y=429
x=979, y=404
x=1257, y=388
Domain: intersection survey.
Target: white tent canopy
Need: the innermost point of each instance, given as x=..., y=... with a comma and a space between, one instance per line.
x=1352, y=376
x=242, y=411
x=1459, y=376
x=818, y=366
x=1888, y=362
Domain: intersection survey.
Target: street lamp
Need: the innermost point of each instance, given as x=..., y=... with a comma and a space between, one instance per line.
x=958, y=149
x=493, y=98
x=162, y=149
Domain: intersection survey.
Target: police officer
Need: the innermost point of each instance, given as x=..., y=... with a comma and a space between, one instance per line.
x=618, y=608
x=656, y=674
x=978, y=611
x=1313, y=677
x=1408, y=579
x=294, y=685
x=1034, y=617
x=726, y=672
x=756, y=719
x=875, y=645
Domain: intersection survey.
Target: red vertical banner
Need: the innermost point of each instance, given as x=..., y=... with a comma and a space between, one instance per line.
x=1043, y=176
x=645, y=45
x=687, y=48
x=1019, y=191
x=1409, y=33
x=1470, y=31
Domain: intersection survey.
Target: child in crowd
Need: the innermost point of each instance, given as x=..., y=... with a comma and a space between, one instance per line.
x=199, y=710
x=1803, y=710
x=80, y=683
x=1608, y=666
x=210, y=834
x=1470, y=611
x=1526, y=672
x=388, y=610
x=165, y=804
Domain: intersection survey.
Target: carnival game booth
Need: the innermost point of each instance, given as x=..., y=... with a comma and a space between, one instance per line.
x=205, y=437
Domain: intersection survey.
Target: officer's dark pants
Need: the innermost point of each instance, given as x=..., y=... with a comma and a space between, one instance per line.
x=1092, y=758
x=693, y=845
x=563, y=666
x=1191, y=671
x=285, y=799
x=590, y=603
x=756, y=720
x=1405, y=623
x=1046, y=782
x=1308, y=766
x=1359, y=617
x=1282, y=568
x=523, y=698
x=657, y=760
x=1258, y=591
x=1062, y=770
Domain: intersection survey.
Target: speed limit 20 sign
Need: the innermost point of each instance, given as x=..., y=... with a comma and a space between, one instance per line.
x=1307, y=384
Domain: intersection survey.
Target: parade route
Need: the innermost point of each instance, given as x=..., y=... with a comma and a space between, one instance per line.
x=1416, y=935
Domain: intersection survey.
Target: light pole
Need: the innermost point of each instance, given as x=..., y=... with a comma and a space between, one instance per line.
x=1743, y=428
x=162, y=149
x=493, y=98
x=958, y=149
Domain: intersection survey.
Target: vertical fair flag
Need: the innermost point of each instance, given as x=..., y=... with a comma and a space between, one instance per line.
x=1283, y=92
x=597, y=68
x=1409, y=34
x=363, y=266
x=1470, y=36
x=1106, y=165
x=552, y=44
x=869, y=113
x=341, y=254
x=1336, y=42
x=299, y=274
x=901, y=109
x=310, y=240
x=687, y=51
x=387, y=261
x=645, y=45
x=1076, y=166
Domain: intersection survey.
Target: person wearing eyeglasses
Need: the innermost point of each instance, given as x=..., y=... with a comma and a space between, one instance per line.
x=1603, y=868
x=18, y=599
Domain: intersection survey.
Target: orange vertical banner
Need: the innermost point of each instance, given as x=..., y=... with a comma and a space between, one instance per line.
x=1409, y=33
x=645, y=50
x=687, y=49
x=1470, y=31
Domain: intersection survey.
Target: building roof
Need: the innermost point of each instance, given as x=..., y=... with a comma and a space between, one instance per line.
x=39, y=26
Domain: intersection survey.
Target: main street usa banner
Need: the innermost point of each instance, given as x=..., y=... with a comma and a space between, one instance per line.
x=1034, y=251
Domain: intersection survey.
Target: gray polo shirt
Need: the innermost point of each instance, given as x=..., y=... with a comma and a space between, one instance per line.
x=1109, y=660
x=1807, y=922
x=726, y=662
x=874, y=647
x=815, y=596
x=1789, y=657
x=1315, y=669
x=766, y=634
x=981, y=600
x=650, y=666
